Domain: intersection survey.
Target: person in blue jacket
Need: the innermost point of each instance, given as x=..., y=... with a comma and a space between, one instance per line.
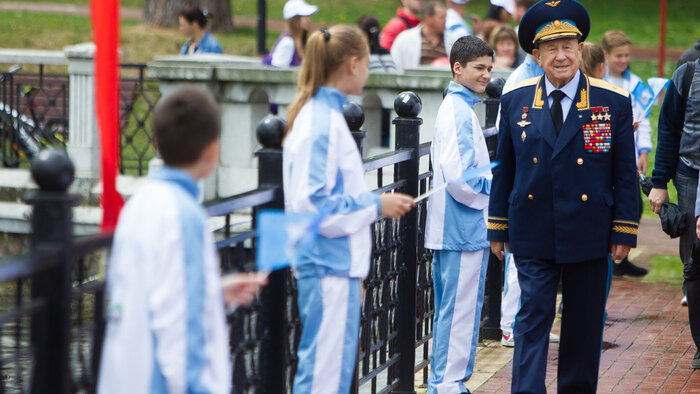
x=456, y=221
x=193, y=23
x=323, y=175
x=562, y=198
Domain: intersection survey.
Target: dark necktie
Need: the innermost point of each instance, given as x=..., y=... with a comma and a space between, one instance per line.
x=557, y=116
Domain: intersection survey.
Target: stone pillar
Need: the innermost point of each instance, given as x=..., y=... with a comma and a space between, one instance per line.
x=84, y=141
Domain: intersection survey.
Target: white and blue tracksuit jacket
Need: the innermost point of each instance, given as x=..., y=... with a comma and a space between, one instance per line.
x=166, y=331
x=323, y=172
x=457, y=215
x=642, y=136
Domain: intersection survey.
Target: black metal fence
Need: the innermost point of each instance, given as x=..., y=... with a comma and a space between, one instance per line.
x=34, y=114
x=54, y=313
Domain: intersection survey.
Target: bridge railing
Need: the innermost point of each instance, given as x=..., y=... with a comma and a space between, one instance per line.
x=52, y=324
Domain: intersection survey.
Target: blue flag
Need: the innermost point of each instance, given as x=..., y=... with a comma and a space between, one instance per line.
x=283, y=237
x=643, y=95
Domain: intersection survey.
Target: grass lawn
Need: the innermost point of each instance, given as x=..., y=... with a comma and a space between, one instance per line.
x=638, y=18
x=664, y=269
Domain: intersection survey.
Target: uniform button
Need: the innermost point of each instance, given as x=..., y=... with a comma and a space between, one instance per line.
x=579, y=161
x=584, y=197
x=534, y=160
x=530, y=196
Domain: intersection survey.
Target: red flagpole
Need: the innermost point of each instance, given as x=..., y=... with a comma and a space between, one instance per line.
x=105, y=23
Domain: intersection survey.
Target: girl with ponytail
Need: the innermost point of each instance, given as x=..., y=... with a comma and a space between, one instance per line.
x=323, y=174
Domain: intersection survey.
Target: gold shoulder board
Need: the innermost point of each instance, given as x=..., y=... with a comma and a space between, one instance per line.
x=599, y=83
x=527, y=82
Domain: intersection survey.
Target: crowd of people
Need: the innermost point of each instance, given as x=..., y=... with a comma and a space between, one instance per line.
x=563, y=204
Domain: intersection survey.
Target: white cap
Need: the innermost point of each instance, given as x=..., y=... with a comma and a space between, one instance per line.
x=509, y=5
x=459, y=1
x=298, y=8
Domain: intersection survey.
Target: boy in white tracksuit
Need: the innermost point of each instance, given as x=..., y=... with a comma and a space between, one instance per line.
x=456, y=222
x=166, y=331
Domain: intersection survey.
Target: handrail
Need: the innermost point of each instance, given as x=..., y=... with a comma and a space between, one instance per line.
x=387, y=159
x=20, y=267
x=245, y=200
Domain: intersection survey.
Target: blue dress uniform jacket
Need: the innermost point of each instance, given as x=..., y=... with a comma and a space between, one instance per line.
x=565, y=197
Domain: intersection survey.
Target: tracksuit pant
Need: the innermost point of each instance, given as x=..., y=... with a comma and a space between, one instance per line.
x=329, y=308
x=510, y=303
x=458, y=280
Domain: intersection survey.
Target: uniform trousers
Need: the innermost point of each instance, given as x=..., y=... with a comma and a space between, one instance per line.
x=329, y=308
x=584, y=291
x=458, y=283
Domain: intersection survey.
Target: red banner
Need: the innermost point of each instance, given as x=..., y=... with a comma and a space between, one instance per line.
x=105, y=24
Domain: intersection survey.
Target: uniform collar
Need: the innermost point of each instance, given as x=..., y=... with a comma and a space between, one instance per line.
x=179, y=177
x=465, y=93
x=332, y=96
x=569, y=89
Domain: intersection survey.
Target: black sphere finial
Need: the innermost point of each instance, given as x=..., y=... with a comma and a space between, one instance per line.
x=354, y=116
x=495, y=87
x=270, y=131
x=408, y=105
x=52, y=170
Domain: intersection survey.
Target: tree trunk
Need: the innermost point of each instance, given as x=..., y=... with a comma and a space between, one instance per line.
x=164, y=12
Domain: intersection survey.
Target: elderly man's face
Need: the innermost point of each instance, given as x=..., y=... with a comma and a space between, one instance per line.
x=560, y=59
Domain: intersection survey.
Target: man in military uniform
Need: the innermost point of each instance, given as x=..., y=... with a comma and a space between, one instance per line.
x=563, y=197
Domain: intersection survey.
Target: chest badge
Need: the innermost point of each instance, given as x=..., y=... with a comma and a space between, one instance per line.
x=524, y=122
x=523, y=135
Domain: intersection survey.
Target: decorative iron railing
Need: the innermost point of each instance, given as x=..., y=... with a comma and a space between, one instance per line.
x=52, y=325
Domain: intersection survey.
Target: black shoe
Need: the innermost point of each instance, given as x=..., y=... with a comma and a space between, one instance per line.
x=625, y=267
x=696, y=360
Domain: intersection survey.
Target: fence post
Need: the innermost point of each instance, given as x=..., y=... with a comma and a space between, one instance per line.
x=355, y=117
x=490, y=327
x=408, y=105
x=270, y=131
x=52, y=231
x=84, y=142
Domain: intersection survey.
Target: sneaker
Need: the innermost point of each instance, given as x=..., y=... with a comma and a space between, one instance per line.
x=696, y=360
x=553, y=338
x=507, y=340
x=625, y=267
x=684, y=301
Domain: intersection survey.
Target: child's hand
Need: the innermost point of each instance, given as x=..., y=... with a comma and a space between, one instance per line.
x=395, y=205
x=241, y=288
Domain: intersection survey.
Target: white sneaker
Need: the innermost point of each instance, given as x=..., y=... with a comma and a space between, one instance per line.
x=507, y=339
x=553, y=338
x=684, y=301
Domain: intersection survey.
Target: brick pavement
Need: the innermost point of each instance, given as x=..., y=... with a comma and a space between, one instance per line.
x=647, y=346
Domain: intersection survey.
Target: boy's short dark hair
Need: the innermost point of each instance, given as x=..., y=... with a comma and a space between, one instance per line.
x=430, y=8
x=185, y=123
x=467, y=49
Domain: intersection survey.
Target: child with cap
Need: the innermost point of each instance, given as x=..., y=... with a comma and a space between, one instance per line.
x=456, y=221
x=166, y=331
x=288, y=50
